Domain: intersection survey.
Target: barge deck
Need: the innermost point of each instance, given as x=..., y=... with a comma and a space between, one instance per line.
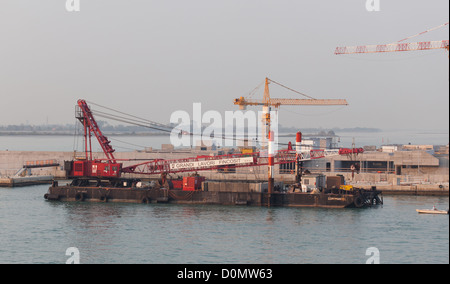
x=357, y=198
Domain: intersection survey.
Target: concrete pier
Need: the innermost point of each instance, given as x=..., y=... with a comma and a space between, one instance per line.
x=419, y=189
x=427, y=183
x=25, y=181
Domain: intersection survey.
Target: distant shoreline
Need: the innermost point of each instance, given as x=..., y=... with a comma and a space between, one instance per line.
x=27, y=133
x=288, y=131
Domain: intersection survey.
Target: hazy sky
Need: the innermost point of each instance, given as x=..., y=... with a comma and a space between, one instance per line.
x=153, y=57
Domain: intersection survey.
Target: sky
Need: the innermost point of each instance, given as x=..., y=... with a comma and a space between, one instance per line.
x=151, y=58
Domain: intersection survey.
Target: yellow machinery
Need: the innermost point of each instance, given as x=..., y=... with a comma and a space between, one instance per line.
x=346, y=187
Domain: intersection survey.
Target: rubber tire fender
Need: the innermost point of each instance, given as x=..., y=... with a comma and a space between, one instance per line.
x=358, y=202
x=79, y=196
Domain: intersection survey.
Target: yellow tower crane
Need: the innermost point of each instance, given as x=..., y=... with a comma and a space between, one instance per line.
x=267, y=135
x=267, y=102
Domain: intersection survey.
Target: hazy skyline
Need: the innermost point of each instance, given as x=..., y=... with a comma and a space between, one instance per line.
x=152, y=58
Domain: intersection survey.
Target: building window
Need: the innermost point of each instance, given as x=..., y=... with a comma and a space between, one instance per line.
x=287, y=168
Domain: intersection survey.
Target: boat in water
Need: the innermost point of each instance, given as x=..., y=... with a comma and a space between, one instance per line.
x=434, y=210
x=103, y=180
x=200, y=191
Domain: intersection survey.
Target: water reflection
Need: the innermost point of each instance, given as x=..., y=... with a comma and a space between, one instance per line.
x=163, y=233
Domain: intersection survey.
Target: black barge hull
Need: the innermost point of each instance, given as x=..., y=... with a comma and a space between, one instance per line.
x=160, y=195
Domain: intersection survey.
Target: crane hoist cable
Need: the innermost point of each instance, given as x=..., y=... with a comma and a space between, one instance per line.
x=424, y=32
x=146, y=123
x=305, y=95
x=142, y=122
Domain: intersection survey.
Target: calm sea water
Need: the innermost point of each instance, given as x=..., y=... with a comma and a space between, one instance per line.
x=33, y=230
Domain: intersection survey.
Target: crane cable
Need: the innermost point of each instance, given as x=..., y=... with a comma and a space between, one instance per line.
x=253, y=92
x=142, y=122
x=292, y=90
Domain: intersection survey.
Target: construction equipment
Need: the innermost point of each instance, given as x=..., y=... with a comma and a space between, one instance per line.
x=393, y=47
x=89, y=167
x=267, y=103
x=86, y=170
x=207, y=163
x=277, y=102
x=397, y=46
x=84, y=115
x=346, y=187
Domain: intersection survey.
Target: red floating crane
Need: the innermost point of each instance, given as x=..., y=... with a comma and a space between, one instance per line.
x=87, y=169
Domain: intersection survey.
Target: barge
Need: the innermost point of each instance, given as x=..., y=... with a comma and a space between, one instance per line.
x=101, y=180
x=216, y=193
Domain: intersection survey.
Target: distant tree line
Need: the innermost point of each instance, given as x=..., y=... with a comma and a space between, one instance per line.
x=58, y=128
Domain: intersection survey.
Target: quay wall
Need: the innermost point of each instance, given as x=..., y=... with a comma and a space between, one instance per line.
x=12, y=161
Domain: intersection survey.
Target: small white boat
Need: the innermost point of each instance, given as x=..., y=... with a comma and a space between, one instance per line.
x=432, y=211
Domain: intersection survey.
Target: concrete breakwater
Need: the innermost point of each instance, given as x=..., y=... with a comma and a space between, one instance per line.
x=24, y=181
x=389, y=183
x=418, y=189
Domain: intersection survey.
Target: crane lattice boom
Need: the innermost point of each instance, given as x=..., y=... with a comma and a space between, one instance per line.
x=257, y=159
x=84, y=114
x=109, y=168
x=393, y=47
x=278, y=102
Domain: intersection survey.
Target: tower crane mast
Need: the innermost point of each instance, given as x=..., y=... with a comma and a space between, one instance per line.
x=267, y=103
